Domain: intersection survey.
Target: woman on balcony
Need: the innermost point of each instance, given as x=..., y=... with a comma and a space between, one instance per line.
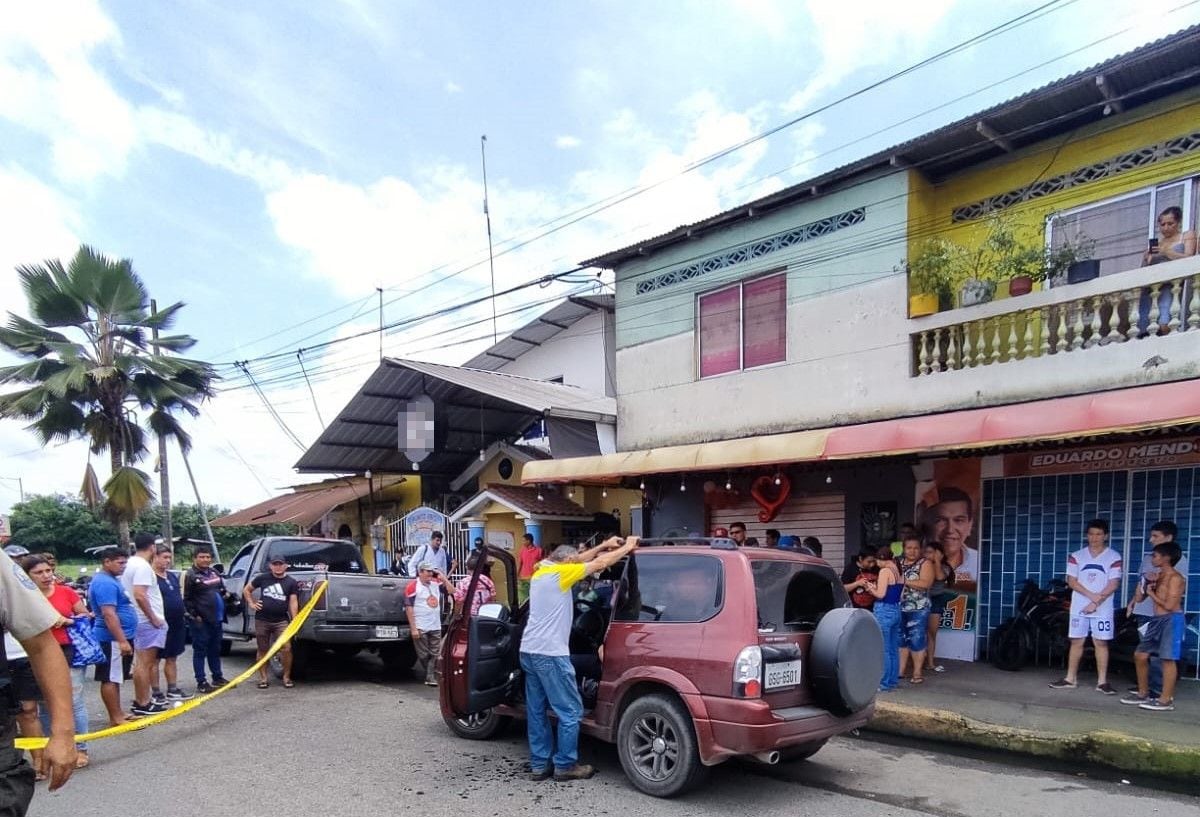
x=1173, y=241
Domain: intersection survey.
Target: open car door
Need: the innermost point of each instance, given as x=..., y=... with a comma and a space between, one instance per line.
x=479, y=665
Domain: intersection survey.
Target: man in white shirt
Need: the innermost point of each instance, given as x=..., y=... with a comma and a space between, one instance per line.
x=141, y=583
x=435, y=554
x=423, y=606
x=1093, y=574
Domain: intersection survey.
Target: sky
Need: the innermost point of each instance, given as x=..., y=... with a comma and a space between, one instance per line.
x=272, y=165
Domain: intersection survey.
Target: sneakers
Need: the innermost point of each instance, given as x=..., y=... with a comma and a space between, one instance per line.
x=144, y=710
x=204, y=687
x=580, y=771
x=1106, y=688
x=1154, y=705
x=177, y=694
x=1063, y=683
x=1154, y=693
x=542, y=774
x=1133, y=699
x=158, y=697
x=219, y=682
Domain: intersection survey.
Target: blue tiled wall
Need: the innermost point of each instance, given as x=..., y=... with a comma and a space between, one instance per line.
x=1031, y=524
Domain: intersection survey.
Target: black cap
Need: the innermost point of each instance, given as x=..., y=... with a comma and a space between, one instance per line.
x=278, y=560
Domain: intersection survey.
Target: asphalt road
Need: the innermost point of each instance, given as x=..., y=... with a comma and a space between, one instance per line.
x=349, y=742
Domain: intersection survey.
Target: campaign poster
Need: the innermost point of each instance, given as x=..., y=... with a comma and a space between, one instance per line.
x=947, y=512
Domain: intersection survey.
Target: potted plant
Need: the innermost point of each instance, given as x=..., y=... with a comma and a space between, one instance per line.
x=931, y=277
x=1073, y=259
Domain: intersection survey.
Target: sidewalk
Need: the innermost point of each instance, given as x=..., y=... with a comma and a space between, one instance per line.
x=979, y=705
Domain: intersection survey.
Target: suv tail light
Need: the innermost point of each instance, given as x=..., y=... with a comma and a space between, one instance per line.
x=747, y=673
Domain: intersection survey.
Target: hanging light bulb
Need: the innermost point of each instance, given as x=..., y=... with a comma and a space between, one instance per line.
x=642, y=485
x=482, y=455
x=682, y=485
x=728, y=483
x=828, y=479
x=604, y=493
x=540, y=497
x=778, y=478
x=571, y=492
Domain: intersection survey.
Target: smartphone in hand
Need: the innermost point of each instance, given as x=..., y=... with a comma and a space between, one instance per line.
x=1153, y=245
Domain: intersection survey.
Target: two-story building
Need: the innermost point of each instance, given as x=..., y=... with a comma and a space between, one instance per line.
x=773, y=366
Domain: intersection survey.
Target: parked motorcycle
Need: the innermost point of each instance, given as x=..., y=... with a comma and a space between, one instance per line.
x=1039, y=612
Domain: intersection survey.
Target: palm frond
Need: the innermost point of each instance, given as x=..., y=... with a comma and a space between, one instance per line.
x=129, y=493
x=110, y=286
x=164, y=318
x=27, y=338
x=90, y=491
x=174, y=343
x=60, y=421
x=48, y=301
x=35, y=371
x=164, y=425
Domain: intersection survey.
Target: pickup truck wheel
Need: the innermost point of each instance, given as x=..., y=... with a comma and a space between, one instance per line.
x=802, y=751
x=480, y=726
x=656, y=742
x=301, y=656
x=226, y=646
x=398, y=658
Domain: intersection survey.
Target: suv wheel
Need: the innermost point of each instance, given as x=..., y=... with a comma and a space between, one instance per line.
x=480, y=726
x=657, y=746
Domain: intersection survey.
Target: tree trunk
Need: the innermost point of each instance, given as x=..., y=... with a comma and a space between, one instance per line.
x=114, y=458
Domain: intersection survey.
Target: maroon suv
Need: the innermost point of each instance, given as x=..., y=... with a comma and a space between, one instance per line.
x=687, y=653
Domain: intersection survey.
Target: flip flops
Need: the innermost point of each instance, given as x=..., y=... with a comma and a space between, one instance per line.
x=288, y=684
x=263, y=684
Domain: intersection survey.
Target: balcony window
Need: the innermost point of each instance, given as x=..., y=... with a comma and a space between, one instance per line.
x=743, y=326
x=1121, y=226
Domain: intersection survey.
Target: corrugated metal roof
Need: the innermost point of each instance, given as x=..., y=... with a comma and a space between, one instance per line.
x=560, y=317
x=303, y=507
x=473, y=408
x=1155, y=70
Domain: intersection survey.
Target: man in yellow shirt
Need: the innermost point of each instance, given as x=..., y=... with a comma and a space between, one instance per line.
x=546, y=657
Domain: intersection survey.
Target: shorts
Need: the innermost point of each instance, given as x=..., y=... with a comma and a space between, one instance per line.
x=24, y=684
x=914, y=629
x=149, y=638
x=267, y=633
x=176, y=640
x=116, y=667
x=1163, y=636
x=1099, y=628
x=937, y=603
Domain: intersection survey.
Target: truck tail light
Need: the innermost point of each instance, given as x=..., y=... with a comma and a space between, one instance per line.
x=747, y=673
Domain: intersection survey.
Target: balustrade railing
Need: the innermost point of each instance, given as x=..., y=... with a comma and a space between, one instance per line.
x=1062, y=327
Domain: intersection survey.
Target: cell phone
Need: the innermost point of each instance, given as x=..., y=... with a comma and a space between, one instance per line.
x=1154, y=245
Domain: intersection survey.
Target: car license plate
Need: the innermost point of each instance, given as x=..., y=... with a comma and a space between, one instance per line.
x=782, y=674
x=387, y=632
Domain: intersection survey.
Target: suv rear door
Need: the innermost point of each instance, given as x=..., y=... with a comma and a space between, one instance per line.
x=480, y=658
x=791, y=596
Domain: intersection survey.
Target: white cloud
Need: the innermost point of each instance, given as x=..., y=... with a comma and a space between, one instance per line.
x=38, y=223
x=452, y=87
x=567, y=142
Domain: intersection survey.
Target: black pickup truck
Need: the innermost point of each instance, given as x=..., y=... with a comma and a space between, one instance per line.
x=358, y=611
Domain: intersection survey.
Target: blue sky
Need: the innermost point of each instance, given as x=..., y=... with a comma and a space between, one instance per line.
x=271, y=164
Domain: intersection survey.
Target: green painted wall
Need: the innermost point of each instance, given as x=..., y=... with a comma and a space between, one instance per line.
x=850, y=256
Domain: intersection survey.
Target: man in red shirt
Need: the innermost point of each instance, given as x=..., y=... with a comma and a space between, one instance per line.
x=527, y=561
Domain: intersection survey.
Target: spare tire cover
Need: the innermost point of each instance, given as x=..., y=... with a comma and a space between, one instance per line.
x=846, y=659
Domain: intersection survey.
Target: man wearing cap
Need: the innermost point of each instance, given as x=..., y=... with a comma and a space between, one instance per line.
x=277, y=603
x=423, y=605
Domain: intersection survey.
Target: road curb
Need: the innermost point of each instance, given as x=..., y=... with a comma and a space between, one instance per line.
x=1116, y=750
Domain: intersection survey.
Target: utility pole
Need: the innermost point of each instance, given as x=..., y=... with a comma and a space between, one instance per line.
x=200, y=503
x=488, y=216
x=380, y=291
x=20, y=485
x=164, y=481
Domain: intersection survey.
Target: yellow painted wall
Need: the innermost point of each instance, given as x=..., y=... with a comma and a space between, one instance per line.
x=930, y=206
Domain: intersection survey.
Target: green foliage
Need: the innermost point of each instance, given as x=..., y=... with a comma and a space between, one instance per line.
x=90, y=378
x=59, y=524
x=66, y=527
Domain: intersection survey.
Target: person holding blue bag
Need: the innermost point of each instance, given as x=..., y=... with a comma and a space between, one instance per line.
x=73, y=629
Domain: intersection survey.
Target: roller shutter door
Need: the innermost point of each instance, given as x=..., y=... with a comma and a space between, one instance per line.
x=819, y=515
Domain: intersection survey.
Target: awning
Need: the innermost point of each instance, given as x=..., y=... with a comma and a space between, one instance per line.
x=1113, y=412
x=303, y=508
x=472, y=407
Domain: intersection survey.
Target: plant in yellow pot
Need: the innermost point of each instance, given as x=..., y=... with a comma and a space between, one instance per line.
x=931, y=277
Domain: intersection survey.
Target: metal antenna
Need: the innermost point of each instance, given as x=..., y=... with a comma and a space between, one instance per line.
x=488, y=217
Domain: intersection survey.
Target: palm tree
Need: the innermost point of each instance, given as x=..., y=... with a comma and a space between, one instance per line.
x=91, y=365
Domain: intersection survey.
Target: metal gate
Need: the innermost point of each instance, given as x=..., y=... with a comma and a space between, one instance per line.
x=409, y=532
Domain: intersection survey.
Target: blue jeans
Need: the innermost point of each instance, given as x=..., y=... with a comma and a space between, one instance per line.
x=915, y=626
x=206, y=644
x=550, y=679
x=888, y=616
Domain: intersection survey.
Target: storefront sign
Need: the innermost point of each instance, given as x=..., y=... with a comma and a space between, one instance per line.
x=419, y=526
x=1114, y=457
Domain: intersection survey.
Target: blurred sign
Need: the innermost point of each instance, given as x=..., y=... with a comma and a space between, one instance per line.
x=1116, y=457
x=416, y=429
x=419, y=525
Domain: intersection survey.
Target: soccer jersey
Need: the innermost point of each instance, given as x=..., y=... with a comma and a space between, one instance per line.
x=1094, y=573
x=548, y=629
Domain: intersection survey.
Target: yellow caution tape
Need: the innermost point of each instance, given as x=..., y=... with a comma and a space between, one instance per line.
x=187, y=706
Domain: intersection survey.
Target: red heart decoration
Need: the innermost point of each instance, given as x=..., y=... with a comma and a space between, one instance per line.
x=769, y=496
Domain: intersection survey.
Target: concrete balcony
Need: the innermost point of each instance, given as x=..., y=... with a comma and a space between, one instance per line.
x=1140, y=306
